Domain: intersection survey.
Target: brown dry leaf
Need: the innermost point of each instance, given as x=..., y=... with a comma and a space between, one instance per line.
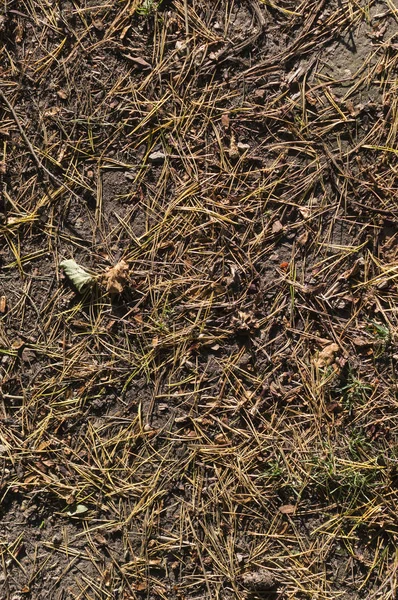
x=221, y=439
x=287, y=509
x=326, y=356
x=3, y=304
x=140, y=586
x=138, y=61
x=277, y=227
x=225, y=120
x=115, y=278
x=362, y=342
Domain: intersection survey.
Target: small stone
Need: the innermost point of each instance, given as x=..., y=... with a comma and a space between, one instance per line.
x=157, y=156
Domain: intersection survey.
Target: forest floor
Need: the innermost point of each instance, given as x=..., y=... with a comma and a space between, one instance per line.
x=218, y=417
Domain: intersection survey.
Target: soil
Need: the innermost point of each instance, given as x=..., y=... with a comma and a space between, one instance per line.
x=182, y=439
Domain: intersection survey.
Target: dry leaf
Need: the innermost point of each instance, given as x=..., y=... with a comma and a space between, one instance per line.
x=140, y=586
x=287, y=509
x=305, y=211
x=3, y=304
x=115, y=278
x=221, y=439
x=326, y=356
x=225, y=120
x=243, y=147
x=277, y=227
x=138, y=61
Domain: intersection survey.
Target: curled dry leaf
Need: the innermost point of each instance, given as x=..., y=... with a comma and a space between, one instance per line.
x=326, y=356
x=114, y=279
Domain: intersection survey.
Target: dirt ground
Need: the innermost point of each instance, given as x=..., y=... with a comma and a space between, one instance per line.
x=223, y=423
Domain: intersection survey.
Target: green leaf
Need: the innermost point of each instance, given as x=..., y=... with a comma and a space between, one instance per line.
x=77, y=275
x=79, y=509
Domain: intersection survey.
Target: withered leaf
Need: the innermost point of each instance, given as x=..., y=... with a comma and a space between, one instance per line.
x=277, y=227
x=287, y=509
x=114, y=279
x=326, y=356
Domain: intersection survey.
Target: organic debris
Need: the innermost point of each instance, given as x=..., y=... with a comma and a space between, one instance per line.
x=115, y=278
x=326, y=356
x=258, y=581
x=78, y=276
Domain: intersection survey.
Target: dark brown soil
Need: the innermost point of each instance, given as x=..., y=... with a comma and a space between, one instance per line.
x=226, y=427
